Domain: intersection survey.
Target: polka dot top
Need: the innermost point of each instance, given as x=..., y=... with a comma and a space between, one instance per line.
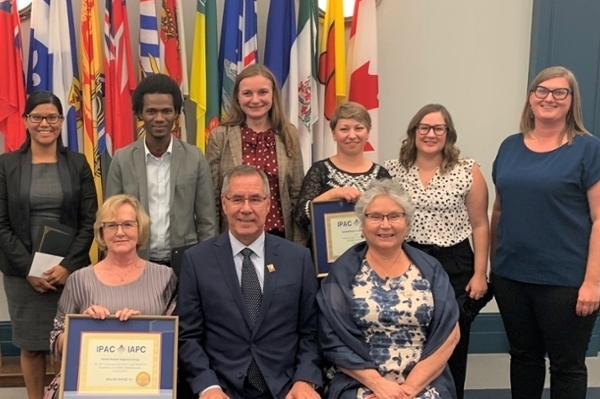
x=258, y=150
x=441, y=216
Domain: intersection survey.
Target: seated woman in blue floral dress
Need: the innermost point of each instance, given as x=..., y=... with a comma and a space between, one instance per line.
x=388, y=316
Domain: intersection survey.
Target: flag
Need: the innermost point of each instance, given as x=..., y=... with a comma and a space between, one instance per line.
x=53, y=62
x=281, y=53
x=204, y=86
x=332, y=73
x=362, y=62
x=238, y=47
x=172, y=43
x=118, y=76
x=249, y=42
x=149, y=39
x=65, y=72
x=12, y=79
x=308, y=105
x=94, y=140
x=39, y=66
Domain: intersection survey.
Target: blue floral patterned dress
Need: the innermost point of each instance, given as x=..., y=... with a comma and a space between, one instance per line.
x=393, y=314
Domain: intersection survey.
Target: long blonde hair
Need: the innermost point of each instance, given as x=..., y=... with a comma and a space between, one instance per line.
x=574, y=122
x=450, y=152
x=279, y=122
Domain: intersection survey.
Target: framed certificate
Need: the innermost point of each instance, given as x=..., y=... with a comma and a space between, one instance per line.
x=335, y=228
x=119, y=359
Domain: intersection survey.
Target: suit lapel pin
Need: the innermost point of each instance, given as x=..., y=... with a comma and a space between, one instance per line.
x=271, y=268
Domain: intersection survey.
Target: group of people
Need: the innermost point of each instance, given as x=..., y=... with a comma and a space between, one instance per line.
x=392, y=318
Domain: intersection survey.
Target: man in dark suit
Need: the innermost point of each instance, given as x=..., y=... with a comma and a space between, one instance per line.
x=246, y=305
x=169, y=177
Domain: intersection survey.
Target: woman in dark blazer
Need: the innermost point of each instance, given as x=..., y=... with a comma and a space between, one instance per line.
x=256, y=132
x=41, y=182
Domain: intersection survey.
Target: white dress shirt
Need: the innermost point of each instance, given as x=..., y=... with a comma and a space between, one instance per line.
x=158, y=174
x=257, y=258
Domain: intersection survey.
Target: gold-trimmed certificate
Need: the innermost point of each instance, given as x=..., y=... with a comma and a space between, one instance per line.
x=342, y=230
x=118, y=359
x=120, y=363
x=335, y=228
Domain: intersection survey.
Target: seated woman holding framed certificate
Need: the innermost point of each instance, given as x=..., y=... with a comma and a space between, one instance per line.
x=388, y=319
x=122, y=284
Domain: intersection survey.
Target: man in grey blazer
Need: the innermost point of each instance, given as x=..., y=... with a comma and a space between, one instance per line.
x=170, y=177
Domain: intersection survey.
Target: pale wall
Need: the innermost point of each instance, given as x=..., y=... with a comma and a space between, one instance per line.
x=471, y=56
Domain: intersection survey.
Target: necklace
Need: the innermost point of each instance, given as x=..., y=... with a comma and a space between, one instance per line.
x=122, y=276
x=387, y=274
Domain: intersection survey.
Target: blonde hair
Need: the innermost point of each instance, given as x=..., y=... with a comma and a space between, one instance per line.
x=450, y=152
x=574, y=123
x=279, y=122
x=108, y=212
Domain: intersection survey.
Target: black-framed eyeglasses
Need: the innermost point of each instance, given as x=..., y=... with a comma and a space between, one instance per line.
x=238, y=200
x=127, y=225
x=391, y=217
x=37, y=118
x=438, y=130
x=542, y=92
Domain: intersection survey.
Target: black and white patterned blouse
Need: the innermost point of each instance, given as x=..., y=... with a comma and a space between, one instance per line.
x=323, y=176
x=441, y=216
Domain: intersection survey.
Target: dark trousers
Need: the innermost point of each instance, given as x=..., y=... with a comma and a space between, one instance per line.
x=458, y=262
x=540, y=320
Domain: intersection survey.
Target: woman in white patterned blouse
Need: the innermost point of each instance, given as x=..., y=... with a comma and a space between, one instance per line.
x=451, y=200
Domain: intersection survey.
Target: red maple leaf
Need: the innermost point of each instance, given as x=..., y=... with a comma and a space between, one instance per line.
x=364, y=88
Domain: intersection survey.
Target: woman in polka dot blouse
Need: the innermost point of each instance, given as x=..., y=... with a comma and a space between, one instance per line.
x=256, y=132
x=451, y=200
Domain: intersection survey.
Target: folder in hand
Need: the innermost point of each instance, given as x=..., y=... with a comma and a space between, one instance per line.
x=55, y=238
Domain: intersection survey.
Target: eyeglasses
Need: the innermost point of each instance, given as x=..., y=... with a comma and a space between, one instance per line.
x=238, y=200
x=51, y=119
x=542, y=92
x=112, y=227
x=438, y=130
x=391, y=217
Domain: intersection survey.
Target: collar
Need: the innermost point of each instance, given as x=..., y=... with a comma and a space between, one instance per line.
x=169, y=149
x=258, y=246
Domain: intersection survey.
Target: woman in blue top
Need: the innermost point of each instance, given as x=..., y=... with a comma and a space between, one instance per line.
x=545, y=245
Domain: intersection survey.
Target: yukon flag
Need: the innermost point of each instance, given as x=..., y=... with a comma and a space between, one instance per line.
x=204, y=82
x=118, y=77
x=172, y=44
x=239, y=46
x=362, y=61
x=12, y=80
x=308, y=106
x=332, y=74
x=281, y=53
x=94, y=143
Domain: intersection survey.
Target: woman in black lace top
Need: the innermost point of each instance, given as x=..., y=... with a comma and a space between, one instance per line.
x=345, y=175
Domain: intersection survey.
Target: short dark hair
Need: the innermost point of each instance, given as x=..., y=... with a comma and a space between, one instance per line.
x=39, y=98
x=156, y=84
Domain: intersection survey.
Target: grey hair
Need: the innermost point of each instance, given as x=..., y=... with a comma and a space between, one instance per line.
x=245, y=170
x=388, y=188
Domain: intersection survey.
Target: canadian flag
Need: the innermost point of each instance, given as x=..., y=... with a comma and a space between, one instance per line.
x=362, y=63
